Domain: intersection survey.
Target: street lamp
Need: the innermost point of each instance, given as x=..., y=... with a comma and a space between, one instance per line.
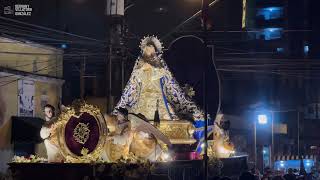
x=262, y=119
x=264, y=151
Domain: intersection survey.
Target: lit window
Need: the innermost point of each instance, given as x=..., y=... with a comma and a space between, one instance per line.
x=269, y=34
x=306, y=49
x=270, y=13
x=280, y=50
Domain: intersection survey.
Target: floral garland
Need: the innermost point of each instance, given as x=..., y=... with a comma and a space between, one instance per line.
x=30, y=159
x=135, y=169
x=215, y=165
x=85, y=158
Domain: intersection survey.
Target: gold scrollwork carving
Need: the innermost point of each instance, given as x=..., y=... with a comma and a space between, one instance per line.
x=81, y=133
x=179, y=132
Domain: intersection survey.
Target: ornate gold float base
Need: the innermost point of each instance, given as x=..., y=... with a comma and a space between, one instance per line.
x=179, y=132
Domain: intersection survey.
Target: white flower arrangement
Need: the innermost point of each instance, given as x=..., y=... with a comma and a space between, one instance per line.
x=30, y=159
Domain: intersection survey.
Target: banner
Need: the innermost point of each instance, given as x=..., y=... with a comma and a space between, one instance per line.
x=26, y=91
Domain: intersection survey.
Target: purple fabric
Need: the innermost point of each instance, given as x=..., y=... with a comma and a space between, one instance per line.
x=93, y=139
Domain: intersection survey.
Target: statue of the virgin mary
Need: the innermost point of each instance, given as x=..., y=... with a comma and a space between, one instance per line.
x=152, y=87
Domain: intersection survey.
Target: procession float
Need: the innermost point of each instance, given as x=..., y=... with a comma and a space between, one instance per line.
x=154, y=122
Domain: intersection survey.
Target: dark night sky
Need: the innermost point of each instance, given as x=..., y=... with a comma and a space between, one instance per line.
x=87, y=18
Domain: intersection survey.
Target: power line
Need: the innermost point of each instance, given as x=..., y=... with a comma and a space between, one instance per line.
x=240, y=51
x=248, y=31
x=187, y=20
x=50, y=29
x=17, y=28
x=27, y=76
x=279, y=65
x=270, y=52
x=48, y=54
x=267, y=72
x=24, y=66
x=274, y=60
x=6, y=27
x=39, y=38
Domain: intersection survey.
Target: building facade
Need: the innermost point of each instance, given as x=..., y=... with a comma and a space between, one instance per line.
x=30, y=77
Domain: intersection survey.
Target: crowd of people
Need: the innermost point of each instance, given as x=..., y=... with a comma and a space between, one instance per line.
x=268, y=174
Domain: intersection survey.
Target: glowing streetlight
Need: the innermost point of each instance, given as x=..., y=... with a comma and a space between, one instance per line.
x=262, y=119
x=264, y=151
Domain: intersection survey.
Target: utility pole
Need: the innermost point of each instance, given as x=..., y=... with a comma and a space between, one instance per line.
x=205, y=8
x=272, y=138
x=82, y=81
x=255, y=143
x=298, y=129
x=109, y=80
x=115, y=14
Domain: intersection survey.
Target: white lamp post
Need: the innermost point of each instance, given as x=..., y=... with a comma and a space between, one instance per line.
x=262, y=119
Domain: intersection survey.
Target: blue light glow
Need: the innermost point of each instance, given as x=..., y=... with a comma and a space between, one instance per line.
x=272, y=29
x=294, y=164
x=273, y=9
x=270, y=13
x=63, y=46
x=306, y=49
x=308, y=164
x=262, y=119
x=269, y=33
x=280, y=49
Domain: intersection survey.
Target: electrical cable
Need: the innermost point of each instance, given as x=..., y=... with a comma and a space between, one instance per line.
x=267, y=72
x=50, y=29
x=23, y=66
x=26, y=76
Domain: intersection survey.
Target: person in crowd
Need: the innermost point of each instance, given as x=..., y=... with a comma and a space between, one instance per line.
x=225, y=178
x=246, y=176
x=278, y=178
x=215, y=178
x=290, y=175
x=268, y=174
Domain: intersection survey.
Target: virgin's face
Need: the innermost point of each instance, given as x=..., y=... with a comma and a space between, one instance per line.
x=149, y=51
